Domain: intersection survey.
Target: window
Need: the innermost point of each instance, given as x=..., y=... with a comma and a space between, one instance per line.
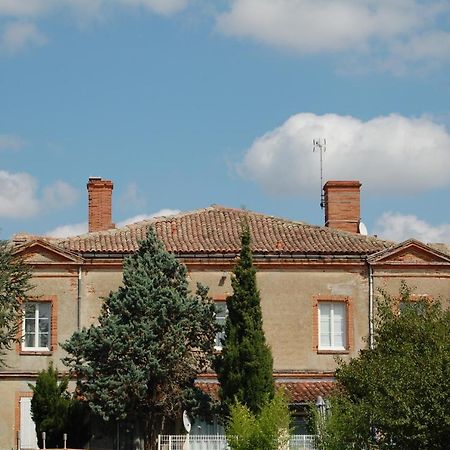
x=332, y=325
x=36, y=326
x=221, y=317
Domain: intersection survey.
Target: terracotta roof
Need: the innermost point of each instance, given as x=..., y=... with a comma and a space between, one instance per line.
x=296, y=391
x=217, y=230
x=307, y=391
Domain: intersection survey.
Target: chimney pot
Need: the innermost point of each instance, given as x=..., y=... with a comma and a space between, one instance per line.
x=100, y=204
x=342, y=205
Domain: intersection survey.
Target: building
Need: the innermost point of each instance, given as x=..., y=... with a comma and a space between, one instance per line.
x=317, y=287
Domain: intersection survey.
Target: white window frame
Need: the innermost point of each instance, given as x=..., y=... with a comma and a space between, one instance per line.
x=36, y=320
x=333, y=346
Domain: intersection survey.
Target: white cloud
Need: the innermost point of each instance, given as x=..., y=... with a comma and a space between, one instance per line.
x=162, y=212
x=399, y=227
x=25, y=8
x=18, y=195
x=34, y=9
x=395, y=28
x=386, y=153
x=68, y=230
x=20, y=30
x=18, y=35
x=81, y=228
x=11, y=142
x=59, y=195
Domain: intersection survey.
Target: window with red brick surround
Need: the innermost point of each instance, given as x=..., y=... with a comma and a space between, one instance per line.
x=335, y=305
x=38, y=327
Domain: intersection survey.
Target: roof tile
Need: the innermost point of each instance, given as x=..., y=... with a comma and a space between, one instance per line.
x=217, y=230
x=296, y=391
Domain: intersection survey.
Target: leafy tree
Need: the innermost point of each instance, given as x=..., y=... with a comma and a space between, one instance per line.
x=14, y=286
x=153, y=338
x=244, y=368
x=268, y=430
x=396, y=395
x=50, y=407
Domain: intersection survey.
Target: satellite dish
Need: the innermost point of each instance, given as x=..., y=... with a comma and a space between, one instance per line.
x=186, y=421
x=362, y=229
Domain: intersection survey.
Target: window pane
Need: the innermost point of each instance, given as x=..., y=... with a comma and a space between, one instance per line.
x=43, y=340
x=221, y=316
x=44, y=325
x=339, y=323
x=30, y=309
x=30, y=325
x=44, y=310
x=324, y=325
x=29, y=339
x=325, y=340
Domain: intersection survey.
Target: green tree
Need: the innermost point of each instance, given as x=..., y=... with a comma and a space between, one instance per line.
x=154, y=337
x=14, y=285
x=55, y=411
x=396, y=395
x=268, y=430
x=50, y=407
x=244, y=367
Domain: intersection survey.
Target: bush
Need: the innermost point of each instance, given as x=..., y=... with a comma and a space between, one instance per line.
x=268, y=430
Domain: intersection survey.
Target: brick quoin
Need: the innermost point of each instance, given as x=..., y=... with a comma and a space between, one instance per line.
x=342, y=205
x=100, y=204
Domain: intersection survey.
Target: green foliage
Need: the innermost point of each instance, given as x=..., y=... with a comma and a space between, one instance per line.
x=50, y=407
x=14, y=285
x=244, y=367
x=397, y=395
x=266, y=431
x=152, y=340
x=54, y=411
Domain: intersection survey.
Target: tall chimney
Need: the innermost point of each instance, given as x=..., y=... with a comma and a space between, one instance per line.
x=342, y=205
x=100, y=201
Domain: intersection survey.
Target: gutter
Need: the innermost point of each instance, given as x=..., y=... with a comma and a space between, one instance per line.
x=371, y=312
x=256, y=256
x=79, y=299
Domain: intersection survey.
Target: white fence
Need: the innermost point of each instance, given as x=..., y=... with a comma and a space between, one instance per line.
x=219, y=442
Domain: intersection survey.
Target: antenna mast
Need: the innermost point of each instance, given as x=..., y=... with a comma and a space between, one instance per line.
x=320, y=145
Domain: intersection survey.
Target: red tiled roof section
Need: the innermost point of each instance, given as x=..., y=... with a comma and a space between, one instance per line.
x=296, y=391
x=308, y=391
x=217, y=230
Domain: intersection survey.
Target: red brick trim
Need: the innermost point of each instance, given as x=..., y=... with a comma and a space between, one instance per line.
x=53, y=300
x=349, y=331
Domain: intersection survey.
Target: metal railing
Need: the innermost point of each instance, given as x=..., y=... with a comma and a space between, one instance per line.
x=219, y=442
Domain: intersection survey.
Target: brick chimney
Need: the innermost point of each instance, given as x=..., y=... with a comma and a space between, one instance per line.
x=100, y=201
x=342, y=205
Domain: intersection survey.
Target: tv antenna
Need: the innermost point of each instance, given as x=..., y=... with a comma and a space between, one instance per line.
x=321, y=146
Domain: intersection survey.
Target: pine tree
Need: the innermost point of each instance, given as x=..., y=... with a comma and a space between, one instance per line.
x=140, y=363
x=50, y=407
x=14, y=286
x=244, y=367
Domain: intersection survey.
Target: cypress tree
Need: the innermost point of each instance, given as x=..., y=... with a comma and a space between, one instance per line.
x=154, y=337
x=244, y=368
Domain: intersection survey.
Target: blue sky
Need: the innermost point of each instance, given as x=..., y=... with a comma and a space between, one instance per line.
x=186, y=103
